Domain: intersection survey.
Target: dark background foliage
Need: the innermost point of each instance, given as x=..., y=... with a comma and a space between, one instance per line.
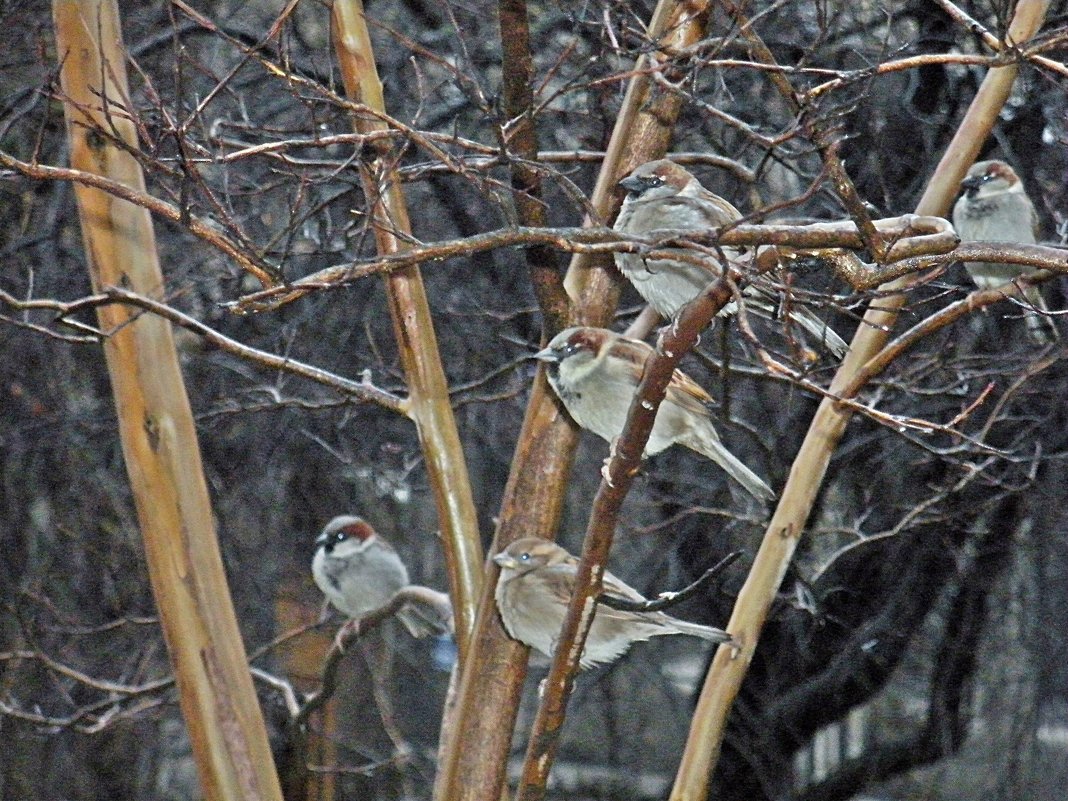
x=922, y=624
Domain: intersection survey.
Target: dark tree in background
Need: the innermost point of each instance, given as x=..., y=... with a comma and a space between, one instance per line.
x=917, y=643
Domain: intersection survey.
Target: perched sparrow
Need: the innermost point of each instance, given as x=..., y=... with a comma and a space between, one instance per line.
x=993, y=207
x=536, y=583
x=661, y=195
x=596, y=373
x=359, y=572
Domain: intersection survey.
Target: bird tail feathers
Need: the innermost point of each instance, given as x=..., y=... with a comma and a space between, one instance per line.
x=812, y=323
x=1040, y=326
x=710, y=633
x=424, y=617
x=715, y=450
x=766, y=304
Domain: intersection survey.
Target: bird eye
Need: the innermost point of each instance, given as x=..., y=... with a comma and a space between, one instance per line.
x=524, y=557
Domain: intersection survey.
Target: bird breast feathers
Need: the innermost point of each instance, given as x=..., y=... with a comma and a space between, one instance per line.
x=1007, y=217
x=703, y=213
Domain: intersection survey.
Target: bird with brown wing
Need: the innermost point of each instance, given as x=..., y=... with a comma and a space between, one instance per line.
x=596, y=372
x=663, y=196
x=535, y=586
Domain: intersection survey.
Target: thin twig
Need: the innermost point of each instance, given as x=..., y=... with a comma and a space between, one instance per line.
x=666, y=600
x=363, y=389
x=914, y=236
x=351, y=633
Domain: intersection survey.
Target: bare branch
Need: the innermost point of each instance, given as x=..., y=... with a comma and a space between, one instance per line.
x=666, y=600
x=363, y=389
x=913, y=236
x=265, y=273
x=354, y=630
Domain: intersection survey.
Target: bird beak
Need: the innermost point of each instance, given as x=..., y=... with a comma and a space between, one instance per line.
x=546, y=355
x=632, y=184
x=320, y=541
x=971, y=184
x=506, y=561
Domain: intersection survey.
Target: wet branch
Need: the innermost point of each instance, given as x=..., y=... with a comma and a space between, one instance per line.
x=666, y=600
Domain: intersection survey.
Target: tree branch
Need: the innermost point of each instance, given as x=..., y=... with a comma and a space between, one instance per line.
x=666, y=600
x=363, y=389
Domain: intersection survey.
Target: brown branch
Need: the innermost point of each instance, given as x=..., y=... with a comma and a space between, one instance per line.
x=913, y=236
x=642, y=132
x=413, y=325
x=363, y=389
x=897, y=423
x=533, y=499
x=226, y=729
x=520, y=136
x=364, y=109
x=74, y=720
x=846, y=77
x=675, y=341
x=822, y=134
x=960, y=16
x=280, y=686
x=356, y=629
x=266, y=274
x=492, y=651
x=862, y=276
x=102, y=685
x=943, y=317
x=488, y=156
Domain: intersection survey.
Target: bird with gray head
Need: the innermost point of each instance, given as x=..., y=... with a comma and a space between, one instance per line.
x=993, y=207
x=596, y=373
x=662, y=196
x=535, y=586
x=359, y=572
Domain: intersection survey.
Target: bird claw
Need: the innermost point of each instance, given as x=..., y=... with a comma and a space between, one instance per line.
x=325, y=612
x=350, y=630
x=736, y=644
x=675, y=326
x=606, y=473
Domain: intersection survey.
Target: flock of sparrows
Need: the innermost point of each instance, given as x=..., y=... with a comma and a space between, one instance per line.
x=595, y=372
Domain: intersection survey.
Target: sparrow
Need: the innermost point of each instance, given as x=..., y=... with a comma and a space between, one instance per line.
x=535, y=586
x=596, y=372
x=993, y=207
x=359, y=572
x=661, y=195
